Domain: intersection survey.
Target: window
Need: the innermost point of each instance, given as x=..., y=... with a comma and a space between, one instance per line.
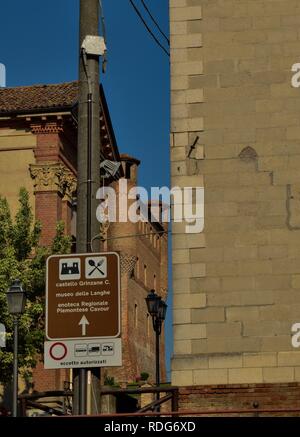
x=135, y=315
x=148, y=325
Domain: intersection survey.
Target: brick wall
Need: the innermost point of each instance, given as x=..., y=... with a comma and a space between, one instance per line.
x=241, y=397
x=236, y=285
x=148, y=270
x=46, y=380
x=48, y=206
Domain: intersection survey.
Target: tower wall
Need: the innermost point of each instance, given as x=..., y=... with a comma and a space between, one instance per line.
x=237, y=284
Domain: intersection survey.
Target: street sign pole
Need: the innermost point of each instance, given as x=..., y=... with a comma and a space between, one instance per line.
x=88, y=153
x=83, y=305
x=83, y=296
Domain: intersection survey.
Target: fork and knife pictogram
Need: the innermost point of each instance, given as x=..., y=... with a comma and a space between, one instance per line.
x=97, y=266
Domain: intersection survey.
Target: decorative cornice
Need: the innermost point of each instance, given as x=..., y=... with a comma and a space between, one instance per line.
x=44, y=127
x=55, y=177
x=69, y=182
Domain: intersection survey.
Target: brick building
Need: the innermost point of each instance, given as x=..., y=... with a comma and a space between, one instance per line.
x=38, y=150
x=236, y=285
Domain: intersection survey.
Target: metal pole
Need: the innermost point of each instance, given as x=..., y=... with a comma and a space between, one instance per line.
x=89, y=174
x=157, y=332
x=15, y=368
x=88, y=162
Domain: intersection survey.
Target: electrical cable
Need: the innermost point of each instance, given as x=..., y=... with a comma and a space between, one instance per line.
x=104, y=63
x=147, y=27
x=155, y=22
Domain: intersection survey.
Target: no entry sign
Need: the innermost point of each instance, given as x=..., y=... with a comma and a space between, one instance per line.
x=81, y=353
x=82, y=297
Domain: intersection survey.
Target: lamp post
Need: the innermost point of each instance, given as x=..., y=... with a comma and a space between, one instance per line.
x=16, y=299
x=157, y=309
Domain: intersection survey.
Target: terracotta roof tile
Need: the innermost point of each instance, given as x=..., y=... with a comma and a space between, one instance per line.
x=32, y=98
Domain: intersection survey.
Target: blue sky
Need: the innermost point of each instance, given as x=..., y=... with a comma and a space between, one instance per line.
x=39, y=44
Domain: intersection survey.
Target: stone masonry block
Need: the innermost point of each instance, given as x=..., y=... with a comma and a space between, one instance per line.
x=178, y=55
x=213, y=314
x=181, y=139
x=260, y=360
x=187, y=332
x=240, y=298
x=210, y=376
x=194, y=96
x=289, y=358
x=228, y=329
x=178, y=153
x=235, y=24
x=190, y=301
x=245, y=376
x=225, y=361
x=178, y=28
x=195, y=124
x=278, y=343
x=179, y=111
x=190, y=363
x=182, y=347
x=281, y=374
x=179, y=82
x=186, y=14
x=181, y=285
x=181, y=316
x=189, y=241
x=236, y=283
x=179, y=125
x=187, y=68
x=296, y=281
x=242, y=313
x=226, y=345
x=178, y=3
x=181, y=256
x=188, y=181
x=182, y=377
x=180, y=41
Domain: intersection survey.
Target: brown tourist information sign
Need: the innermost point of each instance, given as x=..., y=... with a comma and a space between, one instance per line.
x=83, y=296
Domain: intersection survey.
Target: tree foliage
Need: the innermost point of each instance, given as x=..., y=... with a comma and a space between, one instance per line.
x=21, y=257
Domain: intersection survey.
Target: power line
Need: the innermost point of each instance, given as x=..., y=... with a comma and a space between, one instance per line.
x=147, y=27
x=155, y=22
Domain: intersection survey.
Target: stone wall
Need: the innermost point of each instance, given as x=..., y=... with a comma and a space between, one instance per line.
x=17, y=152
x=237, y=284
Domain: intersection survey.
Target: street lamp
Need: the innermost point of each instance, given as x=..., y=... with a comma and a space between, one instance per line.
x=16, y=300
x=157, y=309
